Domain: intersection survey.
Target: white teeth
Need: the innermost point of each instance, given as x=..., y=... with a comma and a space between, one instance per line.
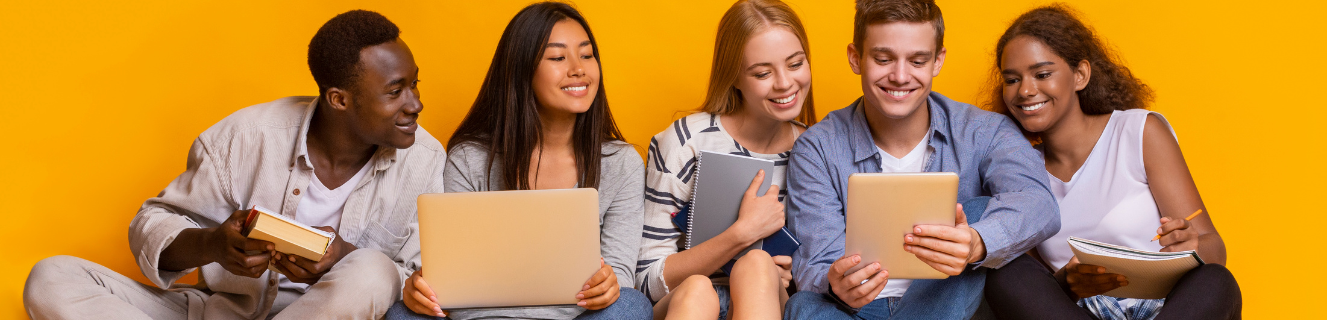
x=898, y=94
x=785, y=100
x=580, y=88
x=1034, y=107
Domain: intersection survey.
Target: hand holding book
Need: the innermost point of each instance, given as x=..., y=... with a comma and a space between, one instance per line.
x=302, y=270
x=1081, y=280
x=227, y=246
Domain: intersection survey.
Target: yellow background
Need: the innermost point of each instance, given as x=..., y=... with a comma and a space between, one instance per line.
x=99, y=101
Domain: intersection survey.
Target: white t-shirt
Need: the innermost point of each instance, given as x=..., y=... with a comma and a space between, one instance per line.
x=319, y=206
x=914, y=161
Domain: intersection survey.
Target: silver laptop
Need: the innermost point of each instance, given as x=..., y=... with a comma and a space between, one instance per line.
x=509, y=248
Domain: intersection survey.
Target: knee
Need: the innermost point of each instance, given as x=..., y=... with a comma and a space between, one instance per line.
x=367, y=272
x=1219, y=277
x=755, y=261
x=44, y=281
x=632, y=304
x=46, y=273
x=696, y=289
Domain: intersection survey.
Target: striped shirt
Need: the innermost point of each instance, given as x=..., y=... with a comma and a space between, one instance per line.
x=672, y=163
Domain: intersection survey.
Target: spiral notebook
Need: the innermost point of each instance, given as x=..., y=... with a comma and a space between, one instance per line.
x=1151, y=274
x=721, y=181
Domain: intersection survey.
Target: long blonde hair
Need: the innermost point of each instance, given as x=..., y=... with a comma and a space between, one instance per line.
x=743, y=20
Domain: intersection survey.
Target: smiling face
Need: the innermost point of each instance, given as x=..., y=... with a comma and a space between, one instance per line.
x=776, y=76
x=386, y=96
x=1040, y=88
x=567, y=78
x=897, y=62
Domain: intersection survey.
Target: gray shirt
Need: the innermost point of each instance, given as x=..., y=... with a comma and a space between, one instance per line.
x=621, y=190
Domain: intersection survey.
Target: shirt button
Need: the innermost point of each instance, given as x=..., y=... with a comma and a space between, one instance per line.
x=296, y=192
x=271, y=282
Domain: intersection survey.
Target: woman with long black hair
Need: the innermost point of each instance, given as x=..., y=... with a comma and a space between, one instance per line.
x=542, y=121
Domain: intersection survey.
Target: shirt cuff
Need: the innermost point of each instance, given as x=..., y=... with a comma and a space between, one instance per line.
x=155, y=242
x=995, y=240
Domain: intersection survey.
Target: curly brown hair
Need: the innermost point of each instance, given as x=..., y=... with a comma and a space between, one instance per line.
x=1111, y=87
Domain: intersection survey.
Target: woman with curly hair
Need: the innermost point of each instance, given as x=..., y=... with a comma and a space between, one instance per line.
x=1116, y=171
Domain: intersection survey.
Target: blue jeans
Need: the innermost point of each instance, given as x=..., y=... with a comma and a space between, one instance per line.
x=630, y=304
x=956, y=297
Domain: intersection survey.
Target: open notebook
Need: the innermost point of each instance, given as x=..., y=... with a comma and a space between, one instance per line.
x=1151, y=274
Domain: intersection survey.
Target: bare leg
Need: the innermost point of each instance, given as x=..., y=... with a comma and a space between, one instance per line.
x=757, y=291
x=693, y=299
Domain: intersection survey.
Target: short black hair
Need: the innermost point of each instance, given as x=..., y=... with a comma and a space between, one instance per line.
x=334, y=50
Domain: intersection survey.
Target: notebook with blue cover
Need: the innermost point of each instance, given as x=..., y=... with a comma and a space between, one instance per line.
x=721, y=181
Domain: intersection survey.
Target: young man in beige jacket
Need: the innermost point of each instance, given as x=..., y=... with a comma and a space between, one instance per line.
x=351, y=161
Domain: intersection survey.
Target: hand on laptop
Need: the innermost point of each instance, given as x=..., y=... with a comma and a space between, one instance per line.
x=759, y=215
x=235, y=252
x=947, y=249
x=860, y=287
x=601, y=290
x=419, y=297
x=302, y=270
x=1085, y=280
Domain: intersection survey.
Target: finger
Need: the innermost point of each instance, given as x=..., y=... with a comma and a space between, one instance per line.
x=1171, y=225
x=598, y=289
x=773, y=191
x=600, y=301
x=421, y=304
x=960, y=219
x=424, y=288
x=247, y=244
x=755, y=184
x=857, y=278
x=313, y=267
x=249, y=261
x=841, y=266
x=598, y=277
x=871, y=288
x=784, y=262
x=292, y=269
x=953, y=234
x=286, y=270
x=946, y=247
x=1084, y=268
x=944, y=263
x=237, y=219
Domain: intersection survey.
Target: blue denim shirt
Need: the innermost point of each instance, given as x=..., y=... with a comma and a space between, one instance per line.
x=990, y=156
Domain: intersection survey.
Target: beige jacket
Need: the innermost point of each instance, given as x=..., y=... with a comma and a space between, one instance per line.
x=257, y=156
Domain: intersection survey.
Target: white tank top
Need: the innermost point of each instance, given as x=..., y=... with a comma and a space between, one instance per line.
x=1108, y=199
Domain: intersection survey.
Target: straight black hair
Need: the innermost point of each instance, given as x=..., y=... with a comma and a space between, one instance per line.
x=505, y=115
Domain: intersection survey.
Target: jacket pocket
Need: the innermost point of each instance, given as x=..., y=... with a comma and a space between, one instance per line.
x=385, y=240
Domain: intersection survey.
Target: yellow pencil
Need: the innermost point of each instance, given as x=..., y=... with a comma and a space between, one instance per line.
x=1190, y=217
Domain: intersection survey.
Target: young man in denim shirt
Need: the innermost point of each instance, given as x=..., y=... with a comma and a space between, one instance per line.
x=899, y=125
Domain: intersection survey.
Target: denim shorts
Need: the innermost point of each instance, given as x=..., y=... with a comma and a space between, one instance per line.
x=725, y=300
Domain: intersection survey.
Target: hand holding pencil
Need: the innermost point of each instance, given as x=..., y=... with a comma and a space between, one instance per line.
x=1175, y=236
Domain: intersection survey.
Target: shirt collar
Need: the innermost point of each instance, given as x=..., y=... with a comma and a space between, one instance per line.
x=863, y=146
x=382, y=159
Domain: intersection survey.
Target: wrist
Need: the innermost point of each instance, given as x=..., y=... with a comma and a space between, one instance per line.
x=740, y=235
x=977, y=249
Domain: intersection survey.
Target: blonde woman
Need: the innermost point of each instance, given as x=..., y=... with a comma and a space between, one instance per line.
x=757, y=104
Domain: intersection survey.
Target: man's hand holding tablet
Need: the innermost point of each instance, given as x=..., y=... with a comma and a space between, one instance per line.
x=947, y=249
